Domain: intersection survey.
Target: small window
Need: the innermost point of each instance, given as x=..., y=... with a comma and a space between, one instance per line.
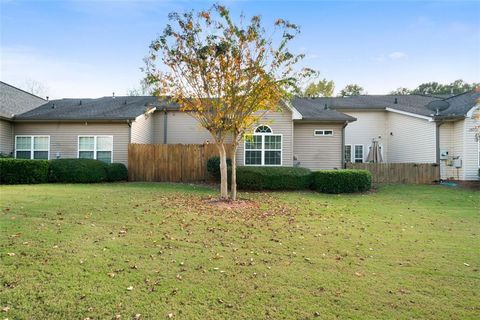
x=32, y=147
x=348, y=153
x=96, y=147
x=358, y=153
x=321, y=132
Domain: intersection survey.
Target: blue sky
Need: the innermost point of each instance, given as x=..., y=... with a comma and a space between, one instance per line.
x=94, y=48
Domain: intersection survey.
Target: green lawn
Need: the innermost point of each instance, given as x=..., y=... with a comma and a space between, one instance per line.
x=98, y=251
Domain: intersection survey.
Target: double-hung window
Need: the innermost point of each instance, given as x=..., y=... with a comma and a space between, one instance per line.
x=358, y=153
x=32, y=147
x=96, y=147
x=348, y=153
x=263, y=148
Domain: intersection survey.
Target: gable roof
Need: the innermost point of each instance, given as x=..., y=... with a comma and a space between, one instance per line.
x=106, y=108
x=416, y=104
x=15, y=101
x=310, y=110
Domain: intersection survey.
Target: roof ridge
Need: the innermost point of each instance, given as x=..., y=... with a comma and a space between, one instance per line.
x=12, y=86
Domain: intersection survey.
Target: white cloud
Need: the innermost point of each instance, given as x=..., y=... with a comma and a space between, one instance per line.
x=397, y=55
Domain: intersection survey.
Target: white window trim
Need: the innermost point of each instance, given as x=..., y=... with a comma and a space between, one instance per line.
x=32, y=138
x=353, y=153
x=323, y=133
x=94, y=145
x=263, y=134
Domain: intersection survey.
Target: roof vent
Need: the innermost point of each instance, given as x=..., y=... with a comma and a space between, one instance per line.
x=80, y=102
x=53, y=105
x=125, y=102
x=113, y=95
x=47, y=98
x=396, y=101
x=325, y=107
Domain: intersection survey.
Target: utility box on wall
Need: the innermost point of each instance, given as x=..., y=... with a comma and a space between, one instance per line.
x=457, y=163
x=443, y=155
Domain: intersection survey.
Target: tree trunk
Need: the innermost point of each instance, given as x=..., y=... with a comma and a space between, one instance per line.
x=233, y=187
x=223, y=171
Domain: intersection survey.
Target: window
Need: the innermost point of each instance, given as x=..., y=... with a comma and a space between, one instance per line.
x=321, y=132
x=358, y=156
x=348, y=153
x=96, y=147
x=32, y=147
x=263, y=148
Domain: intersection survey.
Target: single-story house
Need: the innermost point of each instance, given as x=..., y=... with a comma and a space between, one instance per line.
x=316, y=133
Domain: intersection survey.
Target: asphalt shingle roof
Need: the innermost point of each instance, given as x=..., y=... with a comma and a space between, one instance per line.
x=311, y=110
x=106, y=108
x=459, y=104
x=15, y=101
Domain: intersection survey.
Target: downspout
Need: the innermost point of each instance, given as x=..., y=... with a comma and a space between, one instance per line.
x=129, y=123
x=165, y=123
x=344, y=164
x=437, y=153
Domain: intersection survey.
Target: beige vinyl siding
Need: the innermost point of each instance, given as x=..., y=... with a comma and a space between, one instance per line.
x=64, y=136
x=142, y=129
x=369, y=125
x=281, y=123
x=317, y=153
x=181, y=128
x=157, y=129
x=411, y=140
x=470, y=163
x=6, y=137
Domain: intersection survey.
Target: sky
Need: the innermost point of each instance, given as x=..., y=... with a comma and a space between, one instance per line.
x=93, y=48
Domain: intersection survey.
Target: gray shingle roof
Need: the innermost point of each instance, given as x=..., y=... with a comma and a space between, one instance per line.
x=106, y=108
x=459, y=104
x=311, y=110
x=15, y=101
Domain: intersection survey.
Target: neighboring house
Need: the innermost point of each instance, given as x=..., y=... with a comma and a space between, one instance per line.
x=13, y=101
x=316, y=133
x=408, y=131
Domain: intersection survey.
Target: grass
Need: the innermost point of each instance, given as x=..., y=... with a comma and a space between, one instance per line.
x=159, y=250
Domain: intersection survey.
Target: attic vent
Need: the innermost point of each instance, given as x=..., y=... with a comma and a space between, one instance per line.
x=396, y=101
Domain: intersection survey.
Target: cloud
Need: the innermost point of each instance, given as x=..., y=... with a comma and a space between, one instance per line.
x=397, y=55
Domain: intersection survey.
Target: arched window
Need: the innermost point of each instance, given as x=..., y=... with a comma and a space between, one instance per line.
x=263, y=148
x=263, y=129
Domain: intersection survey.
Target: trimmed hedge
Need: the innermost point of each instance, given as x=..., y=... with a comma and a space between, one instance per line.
x=20, y=171
x=273, y=178
x=116, y=172
x=341, y=181
x=213, y=167
x=77, y=171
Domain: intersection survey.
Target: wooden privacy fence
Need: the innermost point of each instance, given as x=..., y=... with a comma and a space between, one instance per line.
x=170, y=162
x=416, y=173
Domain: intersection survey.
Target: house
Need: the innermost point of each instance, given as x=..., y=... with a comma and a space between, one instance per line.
x=316, y=133
x=13, y=101
x=409, y=132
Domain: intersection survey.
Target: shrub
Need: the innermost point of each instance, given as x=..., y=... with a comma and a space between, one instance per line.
x=17, y=171
x=77, y=171
x=213, y=167
x=273, y=178
x=341, y=181
x=116, y=172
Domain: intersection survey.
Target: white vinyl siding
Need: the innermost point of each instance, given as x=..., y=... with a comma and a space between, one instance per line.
x=64, y=136
x=142, y=129
x=410, y=139
x=470, y=161
x=32, y=147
